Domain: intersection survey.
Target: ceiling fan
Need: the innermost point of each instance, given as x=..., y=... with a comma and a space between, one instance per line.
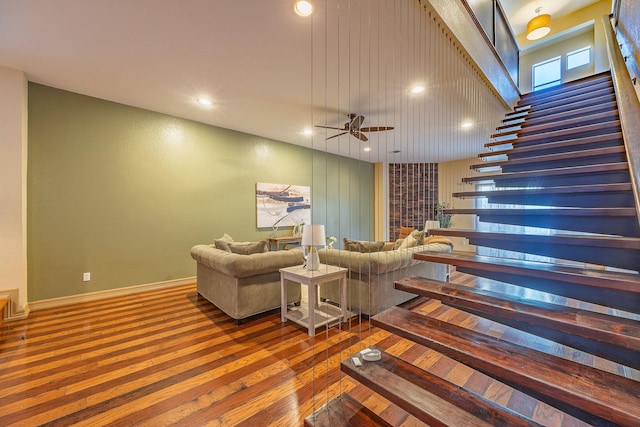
x=353, y=127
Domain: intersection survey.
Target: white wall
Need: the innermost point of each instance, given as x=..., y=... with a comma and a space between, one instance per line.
x=13, y=194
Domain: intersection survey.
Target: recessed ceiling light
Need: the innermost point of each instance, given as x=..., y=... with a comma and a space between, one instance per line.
x=417, y=89
x=467, y=125
x=307, y=131
x=367, y=148
x=205, y=102
x=303, y=7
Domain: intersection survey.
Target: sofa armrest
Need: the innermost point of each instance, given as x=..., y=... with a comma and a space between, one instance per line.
x=239, y=266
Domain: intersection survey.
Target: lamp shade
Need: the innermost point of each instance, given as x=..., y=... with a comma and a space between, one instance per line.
x=539, y=27
x=313, y=235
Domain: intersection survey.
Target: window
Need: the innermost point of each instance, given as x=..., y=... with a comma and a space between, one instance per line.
x=547, y=74
x=579, y=57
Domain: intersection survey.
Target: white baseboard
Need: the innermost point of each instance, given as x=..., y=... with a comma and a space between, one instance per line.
x=111, y=293
x=13, y=311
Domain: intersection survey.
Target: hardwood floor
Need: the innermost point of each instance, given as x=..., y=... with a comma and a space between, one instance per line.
x=171, y=358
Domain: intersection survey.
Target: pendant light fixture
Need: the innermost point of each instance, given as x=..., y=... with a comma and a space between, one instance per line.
x=539, y=26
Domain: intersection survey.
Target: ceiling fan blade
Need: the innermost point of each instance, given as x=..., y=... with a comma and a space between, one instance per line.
x=360, y=136
x=376, y=128
x=356, y=123
x=328, y=127
x=337, y=135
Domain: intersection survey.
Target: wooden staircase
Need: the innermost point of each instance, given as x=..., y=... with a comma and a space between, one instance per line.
x=561, y=152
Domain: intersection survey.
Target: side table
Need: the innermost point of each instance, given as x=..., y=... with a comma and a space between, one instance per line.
x=316, y=314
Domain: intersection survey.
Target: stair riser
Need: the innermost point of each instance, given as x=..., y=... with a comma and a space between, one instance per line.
x=617, y=299
x=603, y=225
x=612, y=257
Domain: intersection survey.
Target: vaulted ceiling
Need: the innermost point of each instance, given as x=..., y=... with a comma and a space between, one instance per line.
x=255, y=59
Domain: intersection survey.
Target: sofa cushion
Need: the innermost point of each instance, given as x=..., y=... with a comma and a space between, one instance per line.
x=362, y=246
x=248, y=248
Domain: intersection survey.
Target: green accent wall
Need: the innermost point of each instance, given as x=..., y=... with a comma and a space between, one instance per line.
x=124, y=193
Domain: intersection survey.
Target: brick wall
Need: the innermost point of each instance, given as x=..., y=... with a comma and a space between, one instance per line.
x=413, y=195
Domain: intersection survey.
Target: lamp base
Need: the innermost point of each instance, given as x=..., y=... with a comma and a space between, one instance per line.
x=313, y=260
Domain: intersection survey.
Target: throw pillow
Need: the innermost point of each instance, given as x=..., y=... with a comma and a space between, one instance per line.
x=222, y=243
x=350, y=245
x=248, y=248
x=408, y=242
x=419, y=236
x=362, y=246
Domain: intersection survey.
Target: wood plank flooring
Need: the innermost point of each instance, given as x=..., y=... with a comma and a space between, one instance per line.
x=171, y=358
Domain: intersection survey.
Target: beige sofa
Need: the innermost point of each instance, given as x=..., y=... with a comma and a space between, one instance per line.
x=371, y=276
x=243, y=285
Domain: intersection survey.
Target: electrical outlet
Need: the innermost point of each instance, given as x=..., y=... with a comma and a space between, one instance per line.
x=86, y=277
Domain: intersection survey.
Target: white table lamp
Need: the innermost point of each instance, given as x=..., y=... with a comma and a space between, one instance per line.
x=313, y=236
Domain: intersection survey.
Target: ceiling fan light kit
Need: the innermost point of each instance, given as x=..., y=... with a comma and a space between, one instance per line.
x=539, y=26
x=355, y=129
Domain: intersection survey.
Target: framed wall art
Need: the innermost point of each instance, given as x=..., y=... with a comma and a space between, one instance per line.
x=282, y=205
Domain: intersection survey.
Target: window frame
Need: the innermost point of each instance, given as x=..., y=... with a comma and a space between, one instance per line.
x=549, y=84
x=575, y=52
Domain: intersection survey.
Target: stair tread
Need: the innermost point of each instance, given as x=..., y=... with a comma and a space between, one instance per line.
x=600, y=279
x=571, y=212
x=344, y=410
x=565, y=92
x=561, y=134
x=612, y=337
x=600, y=241
x=545, y=173
x=566, y=124
x=428, y=397
x=613, y=221
x=589, y=81
x=569, y=189
x=601, y=98
x=531, y=120
x=564, y=145
x=578, y=389
x=593, y=152
x=567, y=101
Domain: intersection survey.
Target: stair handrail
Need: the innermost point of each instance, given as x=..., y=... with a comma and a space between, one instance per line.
x=628, y=108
